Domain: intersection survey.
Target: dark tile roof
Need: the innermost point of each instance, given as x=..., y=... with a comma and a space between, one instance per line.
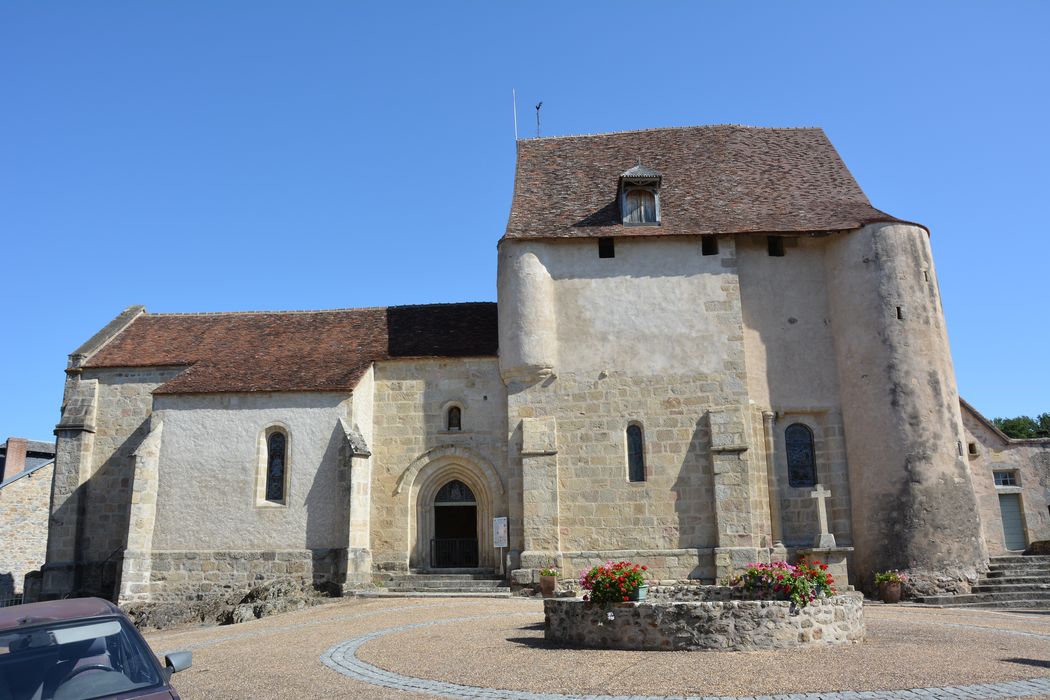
x=297, y=350
x=716, y=179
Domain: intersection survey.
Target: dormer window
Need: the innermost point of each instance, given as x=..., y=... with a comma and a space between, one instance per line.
x=640, y=196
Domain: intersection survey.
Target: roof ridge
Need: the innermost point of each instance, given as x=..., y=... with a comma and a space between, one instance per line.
x=292, y=312
x=671, y=128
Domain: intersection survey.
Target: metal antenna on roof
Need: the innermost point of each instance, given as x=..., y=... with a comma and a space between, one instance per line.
x=514, y=99
x=538, y=119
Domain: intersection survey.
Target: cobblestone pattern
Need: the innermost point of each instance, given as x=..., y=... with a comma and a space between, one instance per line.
x=720, y=625
x=23, y=522
x=342, y=658
x=189, y=576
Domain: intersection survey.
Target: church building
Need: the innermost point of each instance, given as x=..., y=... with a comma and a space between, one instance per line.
x=697, y=330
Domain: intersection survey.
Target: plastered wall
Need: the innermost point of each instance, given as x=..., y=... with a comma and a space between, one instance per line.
x=210, y=460
x=792, y=372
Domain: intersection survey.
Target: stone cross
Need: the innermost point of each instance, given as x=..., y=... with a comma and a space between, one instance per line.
x=824, y=538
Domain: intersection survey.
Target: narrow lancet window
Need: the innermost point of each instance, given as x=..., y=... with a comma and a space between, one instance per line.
x=635, y=454
x=454, y=421
x=276, y=446
x=801, y=457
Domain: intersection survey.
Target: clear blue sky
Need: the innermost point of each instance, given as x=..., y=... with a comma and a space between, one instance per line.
x=237, y=155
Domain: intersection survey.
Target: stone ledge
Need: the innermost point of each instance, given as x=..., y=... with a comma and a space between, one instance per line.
x=715, y=625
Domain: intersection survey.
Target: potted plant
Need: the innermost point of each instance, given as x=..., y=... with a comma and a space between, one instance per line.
x=548, y=582
x=889, y=583
x=615, y=582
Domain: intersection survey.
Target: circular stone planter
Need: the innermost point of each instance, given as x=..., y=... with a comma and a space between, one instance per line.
x=718, y=623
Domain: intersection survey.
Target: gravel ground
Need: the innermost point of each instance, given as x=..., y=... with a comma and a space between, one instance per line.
x=503, y=647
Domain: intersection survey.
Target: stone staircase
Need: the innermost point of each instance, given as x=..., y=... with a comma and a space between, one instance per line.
x=1011, y=582
x=438, y=583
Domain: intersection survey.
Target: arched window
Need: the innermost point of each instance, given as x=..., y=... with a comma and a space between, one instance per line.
x=801, y=457
x=635, y=454
x=455, y=492
x=454, y=418
x=276, y=458
x=640, y=207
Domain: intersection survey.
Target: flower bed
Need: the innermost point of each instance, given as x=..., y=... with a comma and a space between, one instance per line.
x=713, y=618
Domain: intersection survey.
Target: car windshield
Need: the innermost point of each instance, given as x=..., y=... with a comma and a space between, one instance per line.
x=73, y=661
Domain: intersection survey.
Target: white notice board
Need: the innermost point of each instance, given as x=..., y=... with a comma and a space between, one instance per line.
x=499, y=532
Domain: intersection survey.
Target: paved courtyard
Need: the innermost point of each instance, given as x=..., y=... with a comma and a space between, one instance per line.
x=484, y=648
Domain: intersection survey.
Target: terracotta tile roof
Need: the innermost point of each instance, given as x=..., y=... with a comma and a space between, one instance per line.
x=298, y=350
x=716, y=179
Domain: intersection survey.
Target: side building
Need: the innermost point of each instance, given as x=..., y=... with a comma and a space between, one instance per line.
x=26, y=472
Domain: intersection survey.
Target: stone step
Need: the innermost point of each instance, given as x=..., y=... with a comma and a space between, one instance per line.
x=447, y=579
x=431, y=585
x=965, y=598
x=381, y=593
x=1020, y=559
x=1015, y=573
x=453, y=575
x=1001, y=604
x=1011, y=586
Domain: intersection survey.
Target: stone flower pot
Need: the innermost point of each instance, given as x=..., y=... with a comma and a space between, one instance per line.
x=890, y=592
x=548, y=584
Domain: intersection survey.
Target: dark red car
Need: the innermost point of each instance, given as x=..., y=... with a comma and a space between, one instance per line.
x=78, y=649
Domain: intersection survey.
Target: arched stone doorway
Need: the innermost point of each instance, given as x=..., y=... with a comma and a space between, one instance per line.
x=424, y=482
x=455, y=541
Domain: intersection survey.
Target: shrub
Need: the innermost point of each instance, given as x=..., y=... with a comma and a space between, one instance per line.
x=612, y=582
x=549, y=572
x=800, y=584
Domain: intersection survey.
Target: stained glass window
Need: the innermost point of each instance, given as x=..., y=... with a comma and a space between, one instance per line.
x=801, y=458
x=275, y=460
x=635, y=454
x=455, y=419
x=455, y=492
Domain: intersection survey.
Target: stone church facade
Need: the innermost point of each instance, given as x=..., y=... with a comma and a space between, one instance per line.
x=694, y=328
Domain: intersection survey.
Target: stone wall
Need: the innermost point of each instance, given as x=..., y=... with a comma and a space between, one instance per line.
x=912, y=497
x=23, y=524
x=414, y=454
x=714, y=625
x=612, y=356
x=188, y=576
x=125, y=404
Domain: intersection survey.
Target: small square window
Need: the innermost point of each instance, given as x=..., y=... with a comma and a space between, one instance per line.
x=606, y=248
x=1005, y=478
x=709, y=245
x=776, y=246
x=972, y=449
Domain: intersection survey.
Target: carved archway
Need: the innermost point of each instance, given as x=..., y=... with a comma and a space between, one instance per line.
x=421, y=483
